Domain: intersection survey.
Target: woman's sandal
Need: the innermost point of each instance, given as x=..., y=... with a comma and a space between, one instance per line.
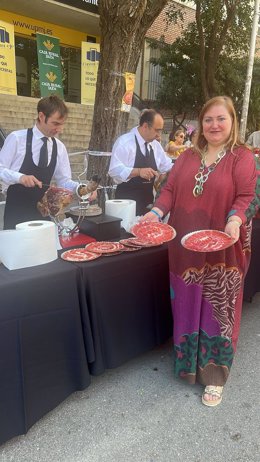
x=214, y=391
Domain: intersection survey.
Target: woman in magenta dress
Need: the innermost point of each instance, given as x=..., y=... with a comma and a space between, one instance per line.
x=210, y=187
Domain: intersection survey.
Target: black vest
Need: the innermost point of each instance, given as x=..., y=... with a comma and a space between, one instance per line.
x=138, y=188
x=21, y=202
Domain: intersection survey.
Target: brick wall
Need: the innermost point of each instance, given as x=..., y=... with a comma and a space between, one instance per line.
x=159, y=27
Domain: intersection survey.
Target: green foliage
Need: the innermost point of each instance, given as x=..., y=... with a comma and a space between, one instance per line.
x=204, y=64
x=253, y=119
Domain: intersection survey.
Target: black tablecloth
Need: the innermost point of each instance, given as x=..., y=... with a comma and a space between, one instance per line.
x=252, y=280
x=42, y=351
x=61, y=319
x=128, y=302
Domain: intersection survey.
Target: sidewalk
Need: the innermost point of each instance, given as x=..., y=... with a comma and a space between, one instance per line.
x=140, y=413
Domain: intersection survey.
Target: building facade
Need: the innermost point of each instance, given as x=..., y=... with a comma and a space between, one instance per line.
x=149, y=75
x=73, y=22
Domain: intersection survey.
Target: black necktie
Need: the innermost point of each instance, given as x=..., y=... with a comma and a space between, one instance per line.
x=43, y=159
x=147, y=150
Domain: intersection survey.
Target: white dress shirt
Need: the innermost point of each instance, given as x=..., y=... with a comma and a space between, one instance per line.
x=124, y=152
x=13, y=152
x=254, y=139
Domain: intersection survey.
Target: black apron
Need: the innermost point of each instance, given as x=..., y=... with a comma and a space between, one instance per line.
x=21, y=202
x=137, y=188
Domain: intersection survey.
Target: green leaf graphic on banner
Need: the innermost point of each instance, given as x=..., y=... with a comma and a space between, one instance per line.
x=48, y=49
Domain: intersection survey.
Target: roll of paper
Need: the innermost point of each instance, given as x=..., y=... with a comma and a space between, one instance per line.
x=122, y=208
x=31, y=243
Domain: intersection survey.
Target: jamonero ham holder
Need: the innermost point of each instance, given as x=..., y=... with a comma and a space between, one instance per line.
x=57, y=201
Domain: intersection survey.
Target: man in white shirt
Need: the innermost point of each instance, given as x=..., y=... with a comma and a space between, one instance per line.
x=137, y=159
x=31, y=159
x=254, y=139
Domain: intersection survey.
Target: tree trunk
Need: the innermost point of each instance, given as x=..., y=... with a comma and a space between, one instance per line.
x=219, y=32
x=209, y=59
x=202, y=45
x=123, y=27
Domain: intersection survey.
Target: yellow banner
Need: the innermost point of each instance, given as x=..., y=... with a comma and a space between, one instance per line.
x=7, y=59
x=90, y=55
x=28, y=26
x=129, y=93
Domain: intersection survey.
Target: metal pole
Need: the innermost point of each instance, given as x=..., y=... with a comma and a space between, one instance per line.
x=250, y=66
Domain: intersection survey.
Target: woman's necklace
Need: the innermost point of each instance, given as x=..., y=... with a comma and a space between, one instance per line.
x=204, y=171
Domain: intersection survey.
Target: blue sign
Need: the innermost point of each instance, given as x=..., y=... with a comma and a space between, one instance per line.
x=93, y=55
x=4, y=35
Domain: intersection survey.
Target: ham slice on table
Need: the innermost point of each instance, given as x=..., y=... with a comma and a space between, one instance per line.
x=77, y=255
x=153, y=232
x=104, y=247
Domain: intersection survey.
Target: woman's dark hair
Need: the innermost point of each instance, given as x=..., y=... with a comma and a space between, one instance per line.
x=51, y=104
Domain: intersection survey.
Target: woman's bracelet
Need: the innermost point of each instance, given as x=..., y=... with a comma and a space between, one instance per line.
x=235, y=221
x=156, y=213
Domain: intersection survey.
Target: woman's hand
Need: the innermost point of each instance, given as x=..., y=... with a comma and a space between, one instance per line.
x=233, y=228
x=154, y=215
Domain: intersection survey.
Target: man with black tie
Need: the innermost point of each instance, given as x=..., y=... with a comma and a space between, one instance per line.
x=137, y=159
x=31, y=159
